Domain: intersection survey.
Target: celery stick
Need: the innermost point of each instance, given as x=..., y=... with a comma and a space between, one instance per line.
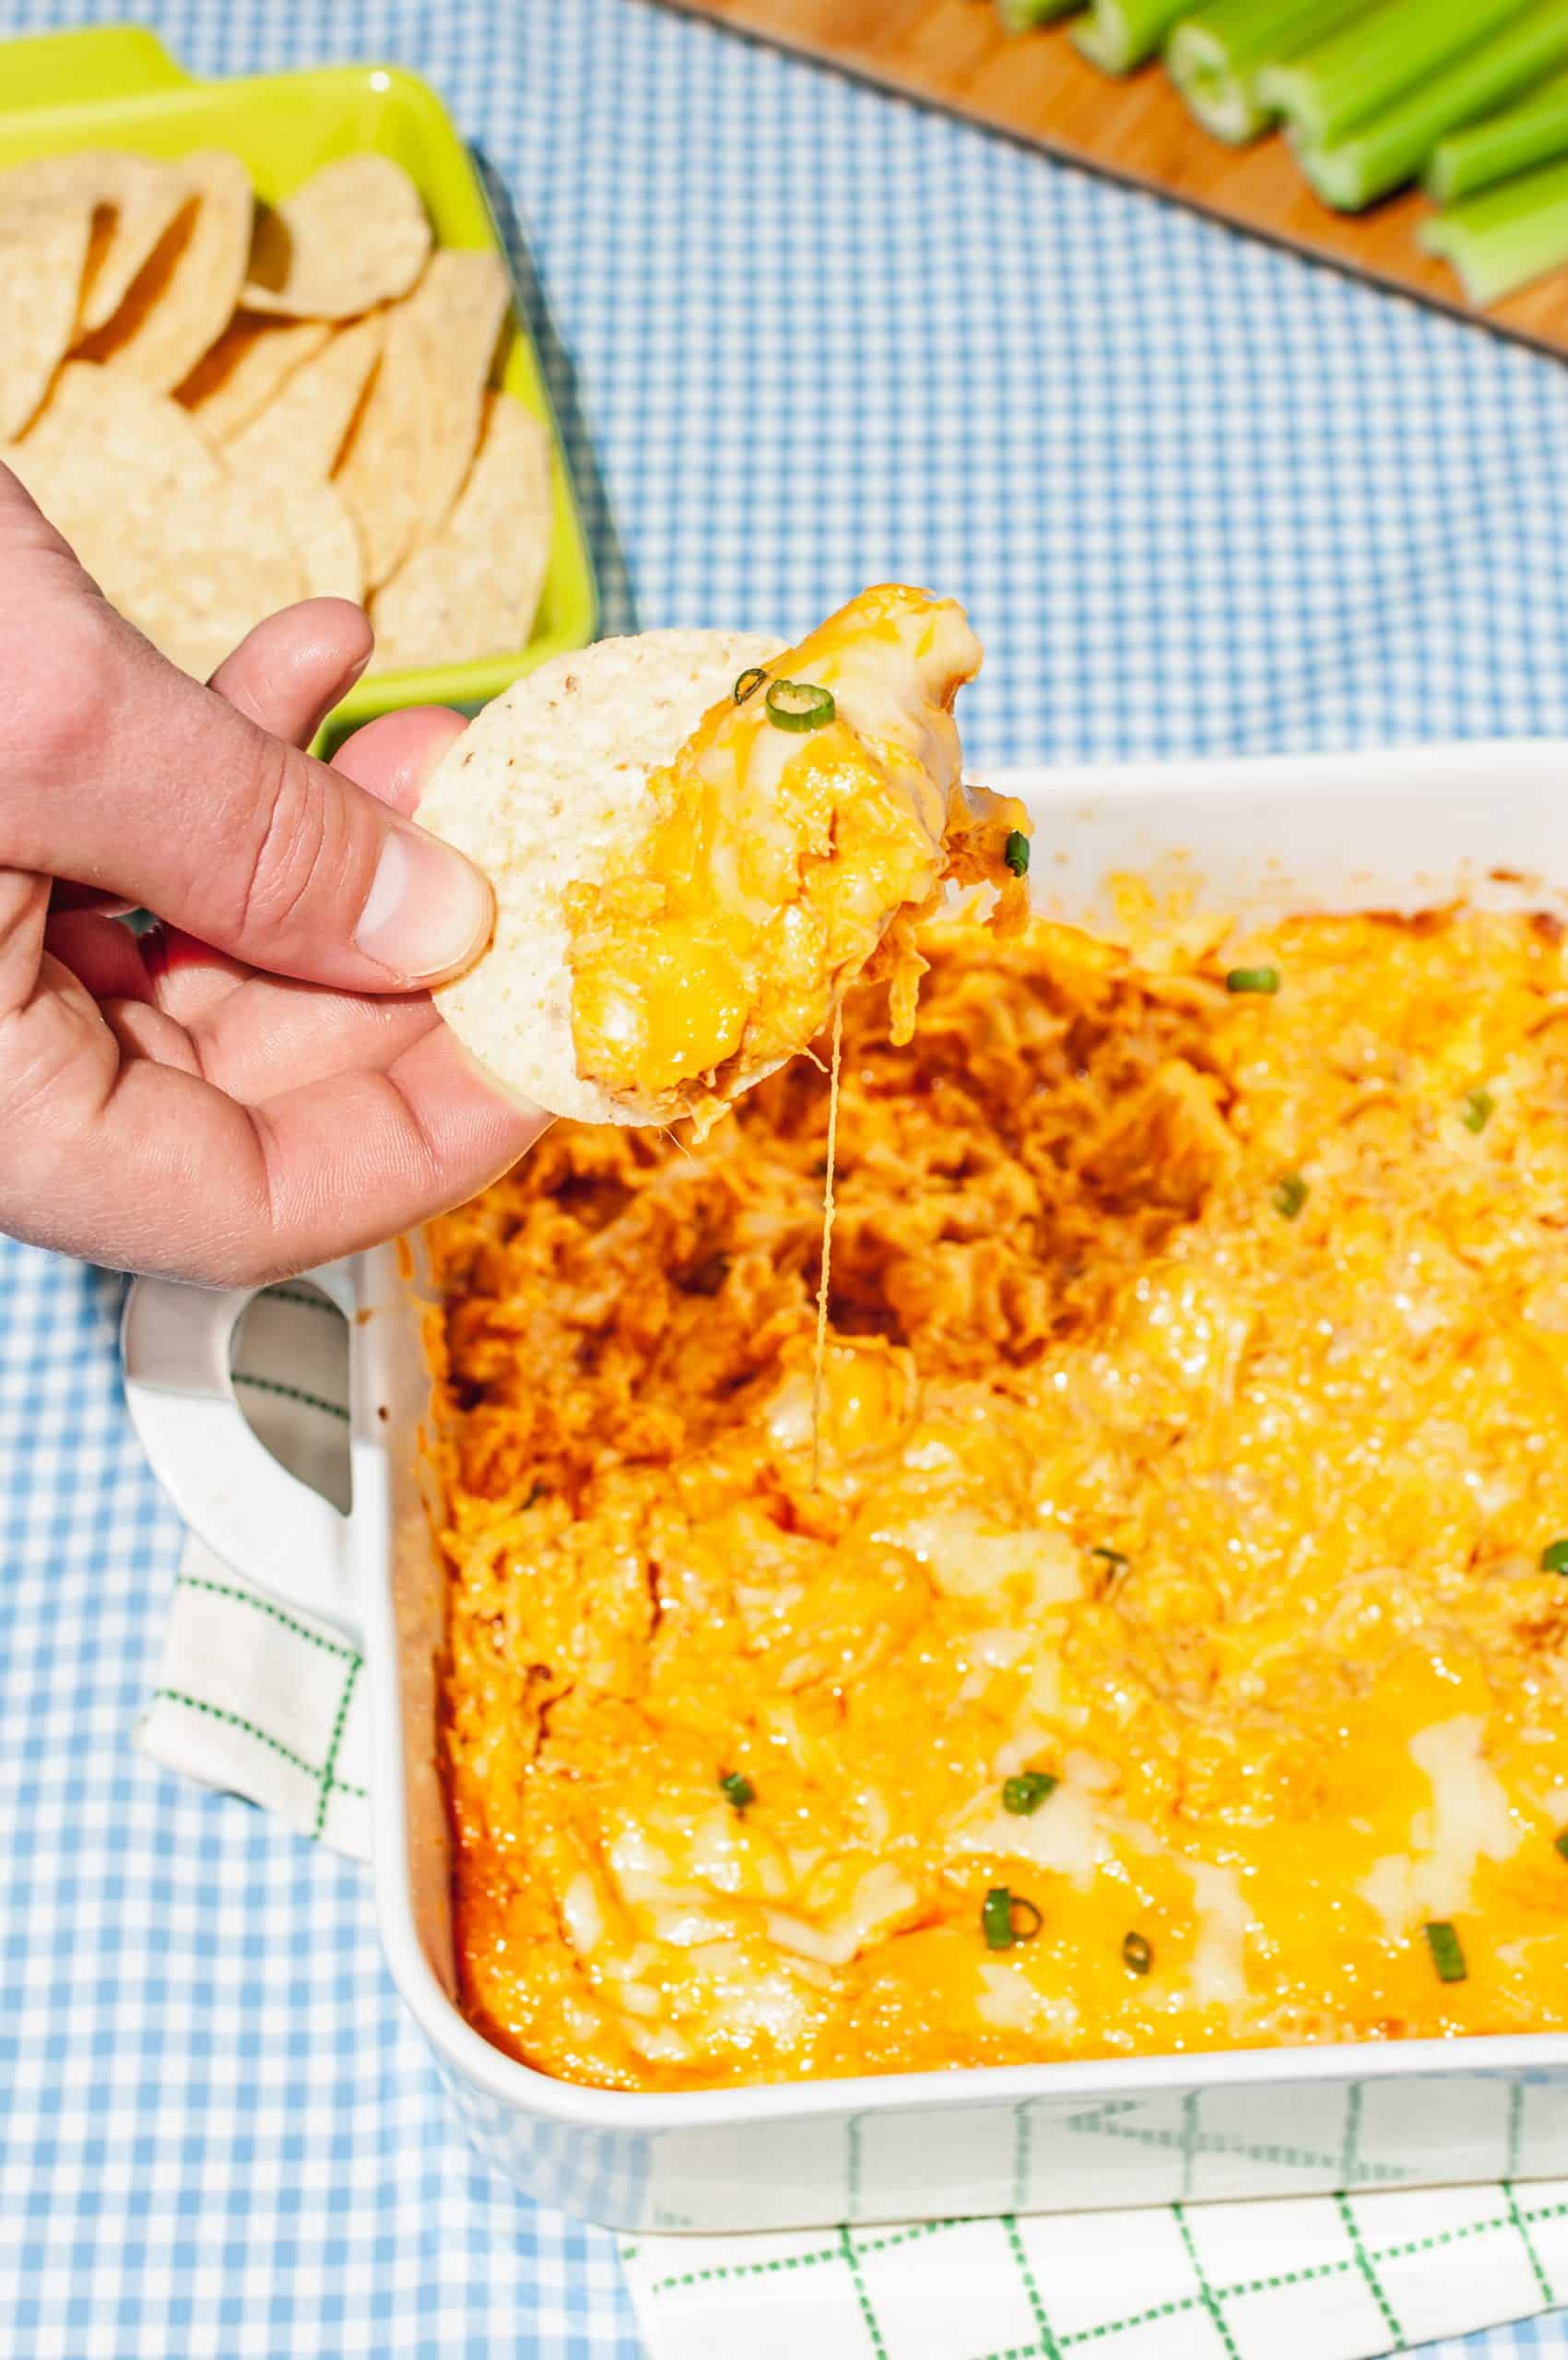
x=1348, y=78
x=1116, y=35
x=1022, y=16
x=1533, y=132
x=1393, y=147
x=1509, y=235
x=1213, y=57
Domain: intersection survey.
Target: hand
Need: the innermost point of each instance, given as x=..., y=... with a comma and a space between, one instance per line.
x=262, y=1082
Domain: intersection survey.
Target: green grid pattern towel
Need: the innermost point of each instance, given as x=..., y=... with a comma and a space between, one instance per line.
x=260, y=1703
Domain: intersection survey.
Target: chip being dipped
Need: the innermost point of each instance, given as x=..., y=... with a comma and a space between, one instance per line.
x=698, y=841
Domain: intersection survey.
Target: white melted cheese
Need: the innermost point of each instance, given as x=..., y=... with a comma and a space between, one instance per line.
x=1217, y=1973
x=1469, y=1820
x=880, y=1898
x=964, y=1560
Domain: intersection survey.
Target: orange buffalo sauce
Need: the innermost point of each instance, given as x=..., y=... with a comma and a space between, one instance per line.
x=1196, y=1421
x=805, y=826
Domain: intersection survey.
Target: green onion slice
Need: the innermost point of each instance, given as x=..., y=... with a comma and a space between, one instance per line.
x=1477, y=1109
x=1447, y=1956
x=1007, y=1918
x=1554, y=1557
x=1290, y=1196
x=1023, y=1795
x=748, y=683
x=1015, y=852
x=800, y=705
x=1136, y=1955
x=1253, y=979
x=736, y=1789
x=1560, y=1842
x=1111, y=1557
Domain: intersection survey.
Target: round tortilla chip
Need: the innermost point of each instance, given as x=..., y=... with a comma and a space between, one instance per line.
x=252, y=360
x=474, y=589
x=192, y=555
x=354, y=234
x=301, y=433
x=143, y=200
x=182, y=301
x=543, y=791
x=43, y=252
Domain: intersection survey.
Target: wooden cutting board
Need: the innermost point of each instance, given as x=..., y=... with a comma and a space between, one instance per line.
x=953, y=53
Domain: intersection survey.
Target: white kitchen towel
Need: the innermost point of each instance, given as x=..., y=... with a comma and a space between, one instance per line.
x=261, y=1702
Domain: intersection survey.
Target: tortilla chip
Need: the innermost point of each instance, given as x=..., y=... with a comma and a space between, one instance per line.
x=354, y=234
x=379, y=471
x=191, y=556
x=251, y=361
x=474, y=589
x=43, y=254
x=326, y=544
x=140, y=201
x=545, y=790
x=458, y=310
x=105, y=439
x=186, y=297
x=300, y=433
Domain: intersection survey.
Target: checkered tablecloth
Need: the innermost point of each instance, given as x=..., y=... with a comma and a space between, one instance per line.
x=1196, y=495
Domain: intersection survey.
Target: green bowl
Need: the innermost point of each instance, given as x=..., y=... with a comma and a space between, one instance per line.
x=119, y=87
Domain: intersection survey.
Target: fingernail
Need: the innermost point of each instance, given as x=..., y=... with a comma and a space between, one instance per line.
x=427, y=913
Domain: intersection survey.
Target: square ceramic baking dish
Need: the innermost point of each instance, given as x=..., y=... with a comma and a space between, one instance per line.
x=119, y=87
x=1390, y=831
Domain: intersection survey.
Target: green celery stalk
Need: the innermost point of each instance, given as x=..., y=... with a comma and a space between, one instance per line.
x=1393, y=147
x=1213, y=57
x=1533, y=132
x=1361, y=69
x=1116, y=35
x=1507, y=236
x=1022, y=16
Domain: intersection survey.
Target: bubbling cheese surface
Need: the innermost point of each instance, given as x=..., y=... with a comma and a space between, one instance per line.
x=1221, y=1503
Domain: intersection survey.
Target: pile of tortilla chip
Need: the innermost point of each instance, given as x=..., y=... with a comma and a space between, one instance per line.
x=226, y=405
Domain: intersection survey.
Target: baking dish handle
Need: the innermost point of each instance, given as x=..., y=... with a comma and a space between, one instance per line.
x=177, y=1342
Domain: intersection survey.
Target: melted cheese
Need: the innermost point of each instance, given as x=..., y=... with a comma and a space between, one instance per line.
x=1312, y=1700
x=774, y=861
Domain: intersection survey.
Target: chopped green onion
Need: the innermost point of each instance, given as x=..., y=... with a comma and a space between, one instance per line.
x=1560, y=1842
x=1507, y=236
x=1112, y=1557
x=1022, y=16
x=1358, y=72
x=1116, y=35
x=1023, y=1795
x=1393, y=145
x=736, y=1789
x=1534, y=131
x=748, y=683
x=1253, y=979
x=1290, y=1196
x=1007, y=1918
x=1477, y=1109
x=1137, y=1954
x=1554, y=1559
x=1447, y=1953
x=1015, y=852
x=800, y=705
x=1214, y=55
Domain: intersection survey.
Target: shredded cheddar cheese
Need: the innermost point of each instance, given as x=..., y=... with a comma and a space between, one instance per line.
x=1229, y=1523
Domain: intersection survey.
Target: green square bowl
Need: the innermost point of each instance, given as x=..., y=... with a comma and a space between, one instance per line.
x=119, y=87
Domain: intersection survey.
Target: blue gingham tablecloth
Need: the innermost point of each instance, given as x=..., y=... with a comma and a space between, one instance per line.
x=1197, y=496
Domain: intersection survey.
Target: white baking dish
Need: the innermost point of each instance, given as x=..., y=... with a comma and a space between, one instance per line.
x=1390, y=830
